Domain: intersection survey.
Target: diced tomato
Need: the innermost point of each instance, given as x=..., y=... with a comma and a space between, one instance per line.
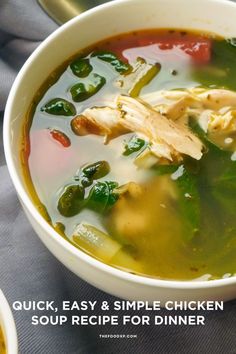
x=200, y=51
x=61, y=137
x=198, y=48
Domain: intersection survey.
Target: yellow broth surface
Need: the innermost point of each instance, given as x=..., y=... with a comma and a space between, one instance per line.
x=179, y=221
x=2, y=343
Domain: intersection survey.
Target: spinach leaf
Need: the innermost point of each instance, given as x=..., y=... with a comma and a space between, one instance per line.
x=59, y=107
x=109, y=57
x=189, y=204
x=217, y=182
x=224, y=188
x=71, y=201
x=102, y=196
x=84, y=90
x=96, y=170
x=92, y=172
x=81, y=67
x=134, y=144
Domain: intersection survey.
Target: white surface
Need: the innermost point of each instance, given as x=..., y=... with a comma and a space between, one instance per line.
x=97, y=24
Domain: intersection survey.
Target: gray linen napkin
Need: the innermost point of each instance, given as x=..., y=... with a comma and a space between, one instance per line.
x=22, y=26
x=29, y=272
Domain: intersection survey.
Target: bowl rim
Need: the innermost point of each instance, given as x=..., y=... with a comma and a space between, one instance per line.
x=24, y=195
x=8, y=325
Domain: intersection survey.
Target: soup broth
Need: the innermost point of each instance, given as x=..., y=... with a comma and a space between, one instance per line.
x=2, y=343
x=128, y=151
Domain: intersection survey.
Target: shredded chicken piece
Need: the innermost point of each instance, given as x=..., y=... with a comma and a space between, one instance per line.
x=178, y=109
x=104, y=121
x=164, y=97
x=218, y=98
x=211, y=121
x=173, y=104
x=177, y=102
x=214, y=109
x=168, y=139
x=161, y=118
x=218, y=113
x=142, y=118
x=157, y=153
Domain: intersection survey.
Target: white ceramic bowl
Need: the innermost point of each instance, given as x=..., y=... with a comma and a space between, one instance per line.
x=104, y=21
x=7, y=325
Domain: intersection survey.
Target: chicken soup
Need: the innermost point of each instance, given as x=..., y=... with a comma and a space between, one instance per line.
x=128, y=151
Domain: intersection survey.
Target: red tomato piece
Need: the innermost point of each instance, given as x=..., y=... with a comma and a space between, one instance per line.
x=198, y=48
x=61, y=137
